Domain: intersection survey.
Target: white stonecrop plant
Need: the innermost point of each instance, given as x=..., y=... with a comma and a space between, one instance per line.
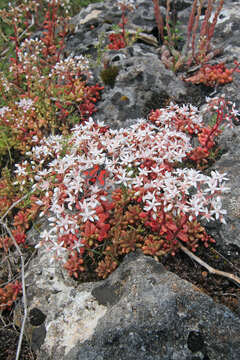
x=58, y=164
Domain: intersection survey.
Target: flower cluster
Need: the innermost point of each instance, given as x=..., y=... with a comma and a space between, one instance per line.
x=212, y=75
x=185, y=118
x=144, y=191
x=41, y=94
x=53, y=92
x=105, y=192
x=74, y=66
x=188, y=120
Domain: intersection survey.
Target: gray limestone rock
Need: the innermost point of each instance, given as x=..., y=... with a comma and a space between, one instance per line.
x=152, y=314
x=139, y=87
x=140, y=312
x=229, y=163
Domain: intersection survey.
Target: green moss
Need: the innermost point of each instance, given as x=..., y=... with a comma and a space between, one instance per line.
x=109, y=75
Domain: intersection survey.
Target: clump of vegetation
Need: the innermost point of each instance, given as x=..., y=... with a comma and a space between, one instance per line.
x=52, y=92
x=108, y=74
x=198, y=48
x=42, y=94
x=151, y=207
x=213, y=75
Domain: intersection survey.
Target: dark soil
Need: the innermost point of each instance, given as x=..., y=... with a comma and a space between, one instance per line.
x=219, y=288
x=9, y=342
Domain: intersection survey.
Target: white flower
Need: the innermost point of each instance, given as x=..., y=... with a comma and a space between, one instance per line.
x=143, y=172
x=57, y=209
x=207, y=216
x=77, y=245
x=63, y=223
x=217, y=176
x=196, y=205
x=234, y=111
x=26, y=104
x=46, y=236
x=21, y=171
x=152, y=203
x=3, y=110
x=217, y=210
x=192, y=177
x=124, y=177
x=127, y=158
x=137, y=182
x=182, y=207
x=87, y=213
x=71, y=199
x=44, y=185
x=149, y=196
x=58, y=249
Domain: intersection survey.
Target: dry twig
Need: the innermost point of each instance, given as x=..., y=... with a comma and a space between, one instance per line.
x=22, y=274
x=23, y=289
x=231, y=277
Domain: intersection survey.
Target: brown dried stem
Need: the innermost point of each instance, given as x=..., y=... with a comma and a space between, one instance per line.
x=227, y=275
x=213, y=24
x=195, y=27
x=191, y=19
x=22, y=276
x=23, y=289
x=159, y=18
x=169, y=40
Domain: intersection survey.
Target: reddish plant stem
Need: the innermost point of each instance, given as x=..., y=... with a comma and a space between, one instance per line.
x=159, y=19
x=194, y=31
x=216, y=126
x=170, y=42
x=191, y=20
x=212, y=25
x=124, y=20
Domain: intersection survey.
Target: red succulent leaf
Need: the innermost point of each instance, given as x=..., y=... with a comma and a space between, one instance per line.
x=182, y=236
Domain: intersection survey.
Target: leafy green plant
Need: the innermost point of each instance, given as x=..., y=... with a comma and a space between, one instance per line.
x=175, y=36
x=101, y=48
x=7, y=142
